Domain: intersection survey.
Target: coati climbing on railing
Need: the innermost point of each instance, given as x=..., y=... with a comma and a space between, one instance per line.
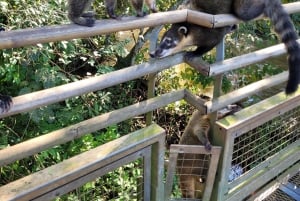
x=193, y=168
x=79, y=10
x=190, y=167
x=185, y=34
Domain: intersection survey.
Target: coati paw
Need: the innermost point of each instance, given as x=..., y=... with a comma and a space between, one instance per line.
x=5, y=103
x=154, y=10
x=90, y=22
x=141, y=14
x=207, y=146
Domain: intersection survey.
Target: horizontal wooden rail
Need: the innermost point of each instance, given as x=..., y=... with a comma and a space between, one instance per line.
x=38, y=144
x=239, y=94
x=246, y=59
x=25, y=37
x=37, y=99
x=32, y=36
x=76, y=171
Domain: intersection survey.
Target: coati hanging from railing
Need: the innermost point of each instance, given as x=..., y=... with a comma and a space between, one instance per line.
x=192, y=169
x=79, y=10
x=182, y=35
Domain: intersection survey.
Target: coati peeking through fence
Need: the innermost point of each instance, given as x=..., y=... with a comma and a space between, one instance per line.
x=79, y=10
x=190, y=167
x=193, y=168
x=185, y=34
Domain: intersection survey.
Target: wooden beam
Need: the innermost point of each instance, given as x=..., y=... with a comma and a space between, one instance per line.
x=246, y=59
x=37, y=99
x=244, y=92
x=38, y=144
x=25, y=37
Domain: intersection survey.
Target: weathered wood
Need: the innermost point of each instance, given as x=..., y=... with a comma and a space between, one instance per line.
x=213, y=165
x=244, y=92
x=25, y=37
x=37, y=99
x=74, y=170
x=257, y=114
x=196, y=101
x=171, y=171
x=157, y=170
x=38, y=144
x=200, y=18
x=32, y=36
x=246, y=59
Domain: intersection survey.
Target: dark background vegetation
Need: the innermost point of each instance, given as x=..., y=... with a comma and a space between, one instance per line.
x=33, y=68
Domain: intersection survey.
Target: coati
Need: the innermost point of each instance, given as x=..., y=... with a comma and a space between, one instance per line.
x=185, y=34
x=78, y=11
x=191, y=168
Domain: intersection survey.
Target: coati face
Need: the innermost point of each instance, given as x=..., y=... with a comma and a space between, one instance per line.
x=182, y=35
x=173, y=41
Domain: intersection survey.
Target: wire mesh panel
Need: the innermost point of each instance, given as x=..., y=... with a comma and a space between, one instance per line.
x=295, y=180
x=257, y=145
x=279, y=195
x=261, y=142
x=191, y=172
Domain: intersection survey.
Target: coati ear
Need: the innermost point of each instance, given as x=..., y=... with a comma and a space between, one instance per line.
x=183, y=30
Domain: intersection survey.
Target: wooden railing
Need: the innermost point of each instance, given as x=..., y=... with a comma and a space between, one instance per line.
x=28, y=102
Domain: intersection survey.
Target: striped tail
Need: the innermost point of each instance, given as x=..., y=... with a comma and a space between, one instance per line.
x=284, y=27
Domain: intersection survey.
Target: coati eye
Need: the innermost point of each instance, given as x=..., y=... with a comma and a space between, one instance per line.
x=168, y=41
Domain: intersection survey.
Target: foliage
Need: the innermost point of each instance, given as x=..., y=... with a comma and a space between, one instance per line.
x=28, y=69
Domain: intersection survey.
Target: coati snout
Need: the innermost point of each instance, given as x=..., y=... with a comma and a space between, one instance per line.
x=170, y=41
x=183, y=35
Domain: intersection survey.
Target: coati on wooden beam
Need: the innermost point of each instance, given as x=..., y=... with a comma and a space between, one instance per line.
x=182, y=35
x=79, y=10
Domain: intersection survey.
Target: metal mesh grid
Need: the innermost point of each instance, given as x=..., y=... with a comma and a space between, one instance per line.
x=191, y=174
x=279, y=195
x=124, y=183
x=262, y=142
x=295, y=179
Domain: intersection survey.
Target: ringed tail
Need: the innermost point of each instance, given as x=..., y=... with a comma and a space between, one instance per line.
x=284, y=27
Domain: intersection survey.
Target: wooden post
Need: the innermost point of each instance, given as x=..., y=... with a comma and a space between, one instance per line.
x=217, y=139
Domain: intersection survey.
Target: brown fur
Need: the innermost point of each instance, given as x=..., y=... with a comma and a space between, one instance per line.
x=205, y=39
x=192, y=179
x=79, y=14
